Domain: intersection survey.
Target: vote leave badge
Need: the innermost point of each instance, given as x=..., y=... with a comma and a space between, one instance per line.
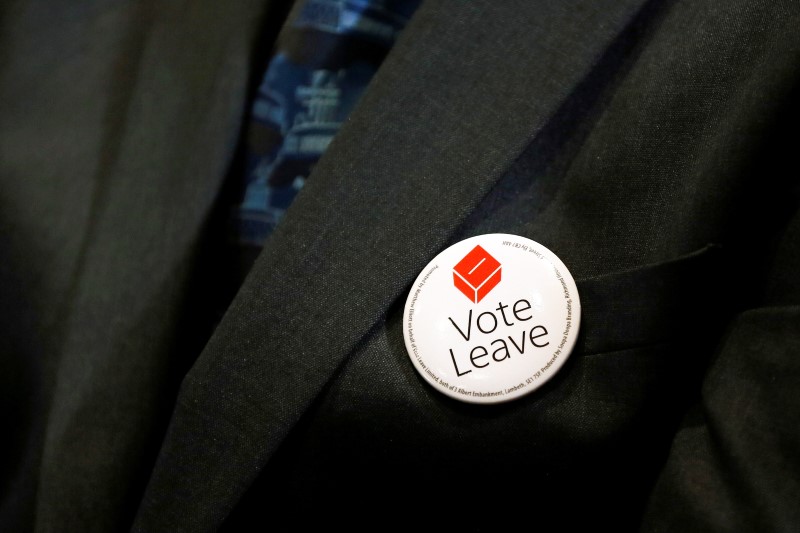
x=491, y=318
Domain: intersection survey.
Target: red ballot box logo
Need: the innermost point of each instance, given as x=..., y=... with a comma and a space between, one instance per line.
x=476, y=274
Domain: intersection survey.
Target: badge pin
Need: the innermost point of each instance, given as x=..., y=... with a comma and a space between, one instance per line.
x=491, y=318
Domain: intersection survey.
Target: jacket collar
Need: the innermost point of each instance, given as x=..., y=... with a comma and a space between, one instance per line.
x=466, y=88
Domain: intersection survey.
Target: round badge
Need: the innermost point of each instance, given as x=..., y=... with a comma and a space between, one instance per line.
x=491, y=318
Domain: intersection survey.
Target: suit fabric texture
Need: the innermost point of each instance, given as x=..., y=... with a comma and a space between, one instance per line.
x=650, y=145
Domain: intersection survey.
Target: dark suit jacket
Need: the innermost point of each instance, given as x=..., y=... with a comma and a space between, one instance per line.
x=650, y=145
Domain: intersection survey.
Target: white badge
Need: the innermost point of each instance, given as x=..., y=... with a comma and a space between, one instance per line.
x=491, y=318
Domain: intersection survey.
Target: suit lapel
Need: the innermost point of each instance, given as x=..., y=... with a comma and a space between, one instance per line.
x=466, y=88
